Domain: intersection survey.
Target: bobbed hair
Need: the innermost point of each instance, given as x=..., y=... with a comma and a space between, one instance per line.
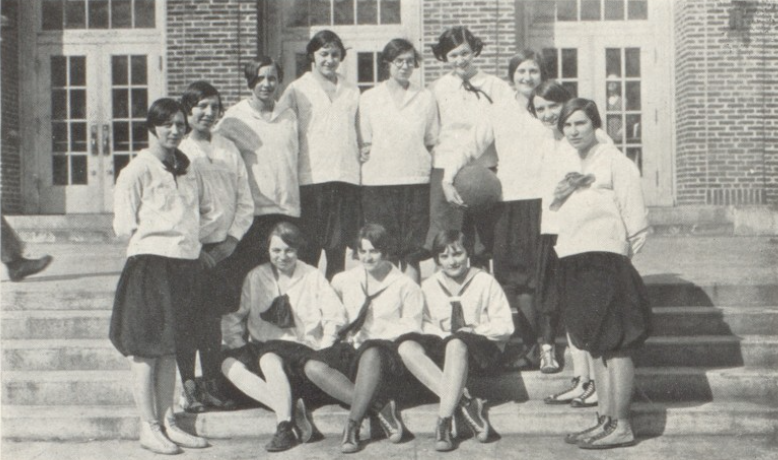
x=527, y=55
x=162, y=111
x=454, y=37
x=397, y=47
x=587, y=106
x=289, y=234
x=446, y=238
x=196, y=92
x=323, y=39
x=251, y=69
x=550, y=90
x=378, y=236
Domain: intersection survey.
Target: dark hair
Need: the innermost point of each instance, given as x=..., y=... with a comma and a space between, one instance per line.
x=397, y=47
x=527, y=55
x=549, y=90
x=323, y=39
x=196, y=92
x=588, y=107
x=378, y=237
x=289, y=234
x=251, y=69
x=162, y=111
x=444, y=239
x=453, y=38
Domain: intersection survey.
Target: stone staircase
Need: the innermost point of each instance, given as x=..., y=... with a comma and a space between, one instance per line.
x=711, y=368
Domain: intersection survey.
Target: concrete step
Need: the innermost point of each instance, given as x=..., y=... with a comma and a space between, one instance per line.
x=668, y=321
x=529, y=418
x=664, y=292
x=654, y=384
x=756, y=351
x=69, y=228
x=59, y=300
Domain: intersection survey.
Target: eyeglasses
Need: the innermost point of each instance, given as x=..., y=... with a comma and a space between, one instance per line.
x=399, y=63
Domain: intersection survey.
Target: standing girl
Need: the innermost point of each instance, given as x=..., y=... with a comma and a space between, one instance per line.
x=559, y=159
x=266, y=136
x=156, y=204
x=287, y=311
x=463, y=97
x=467, y=321
x=326, y=108
x=518, y=139
x=226, y=182
x=399, y=125
x=602, y=224
x=382, y=305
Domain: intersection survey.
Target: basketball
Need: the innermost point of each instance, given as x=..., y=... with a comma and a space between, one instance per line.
x=478, y=186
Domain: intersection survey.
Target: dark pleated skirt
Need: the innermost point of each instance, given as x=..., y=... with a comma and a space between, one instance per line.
x=484, y=356
x=605, y=304
x=404, y=211
x=330, y=215
x=516, y=245
x=344, y=358
x=156, y=301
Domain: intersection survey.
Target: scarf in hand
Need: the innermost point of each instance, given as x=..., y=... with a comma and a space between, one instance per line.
x=572, y=182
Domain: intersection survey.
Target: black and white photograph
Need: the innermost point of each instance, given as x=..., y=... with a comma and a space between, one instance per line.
x=389, y=229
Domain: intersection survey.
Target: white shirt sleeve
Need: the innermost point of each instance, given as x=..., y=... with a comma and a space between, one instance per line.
x=244, y=211
x=364, y=122
x=629, y=197
x=127, y=197
x=333, y=313
x=497, y=325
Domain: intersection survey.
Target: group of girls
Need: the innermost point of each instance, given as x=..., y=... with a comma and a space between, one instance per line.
x=228, y=218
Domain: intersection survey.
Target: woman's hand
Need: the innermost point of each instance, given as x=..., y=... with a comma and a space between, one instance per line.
x=224, y=249
x=452, y=196
x=206, y=260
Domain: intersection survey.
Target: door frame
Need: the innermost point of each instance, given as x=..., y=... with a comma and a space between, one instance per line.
x=33, y=41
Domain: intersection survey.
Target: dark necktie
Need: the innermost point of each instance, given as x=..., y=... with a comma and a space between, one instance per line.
x=457, y=313
x=357, y=324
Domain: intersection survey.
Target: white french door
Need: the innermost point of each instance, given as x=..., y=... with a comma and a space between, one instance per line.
x=91, y=101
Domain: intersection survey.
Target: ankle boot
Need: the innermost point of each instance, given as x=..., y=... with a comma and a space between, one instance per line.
x=617, y=433
x=181, y=437
x=350, y=443
x=443, y=442
x=576, y=438
x=152, y=438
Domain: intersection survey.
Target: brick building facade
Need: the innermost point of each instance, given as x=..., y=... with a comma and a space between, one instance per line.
x=708, y=81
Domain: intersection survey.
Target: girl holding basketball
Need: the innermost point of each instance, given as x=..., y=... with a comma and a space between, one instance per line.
x=517, y=137
x=602, y=224
x=463, y=96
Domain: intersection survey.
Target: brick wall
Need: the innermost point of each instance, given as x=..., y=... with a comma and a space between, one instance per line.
x=10, y=158
x=210, y=40
x=494, y=21
x=727, y=103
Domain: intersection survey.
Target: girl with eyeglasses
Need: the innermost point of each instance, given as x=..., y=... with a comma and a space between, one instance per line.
x=399, y=125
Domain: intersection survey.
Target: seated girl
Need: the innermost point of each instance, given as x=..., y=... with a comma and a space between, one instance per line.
x=467, y=322
x=287, y=311
x=382, y=304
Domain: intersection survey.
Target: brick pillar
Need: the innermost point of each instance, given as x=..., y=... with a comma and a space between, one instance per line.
x=210, y=40
x=726, y=93
x=493, y=21
x=10, y=156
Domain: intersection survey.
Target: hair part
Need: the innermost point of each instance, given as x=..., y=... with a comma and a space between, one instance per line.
x=446, y=238
x=587, y=106
x=251, y=69
x=399, y=46
x=289, y=234
x=378, y=236
x=527, y=55
x=453, y=38
x=324, y=39
x=550, y=90
x=162, y=111
x=196, y=92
